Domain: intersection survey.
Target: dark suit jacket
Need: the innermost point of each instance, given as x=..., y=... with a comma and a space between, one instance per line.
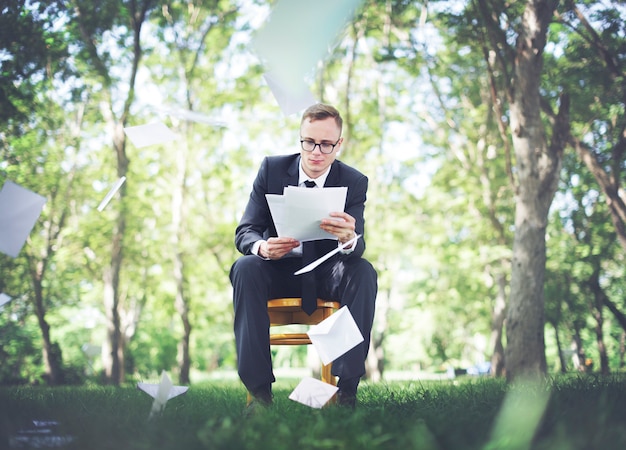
x=275, y=173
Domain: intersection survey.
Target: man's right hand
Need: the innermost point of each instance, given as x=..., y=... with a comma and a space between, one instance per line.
x=277, y=247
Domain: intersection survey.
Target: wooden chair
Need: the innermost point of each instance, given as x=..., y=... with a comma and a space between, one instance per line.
x=288, y=311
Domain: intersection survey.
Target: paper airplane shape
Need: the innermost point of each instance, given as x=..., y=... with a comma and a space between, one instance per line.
x=111, y=193
x=313, y=393
x=19, y=209
x=291, y=100
x=335, y=336
x=150, y=134
x=161, y=393
x=4, y=299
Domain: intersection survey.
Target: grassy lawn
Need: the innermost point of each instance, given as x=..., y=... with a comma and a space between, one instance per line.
x=567, y=413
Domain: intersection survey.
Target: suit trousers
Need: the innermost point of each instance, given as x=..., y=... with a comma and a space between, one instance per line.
x=353, y=281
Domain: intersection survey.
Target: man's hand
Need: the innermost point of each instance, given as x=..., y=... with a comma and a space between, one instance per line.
x=342, y=227
x=277, y=247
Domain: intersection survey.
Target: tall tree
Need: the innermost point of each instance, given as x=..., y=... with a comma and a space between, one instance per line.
x=193, y=25
x=515, y=73
x=104, y=29
x=538, y=163
x=34, y=62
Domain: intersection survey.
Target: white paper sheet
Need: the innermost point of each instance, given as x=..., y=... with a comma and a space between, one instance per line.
x=19, y=209
x=193, y=116
x=91, y=351
x=299, y=212
x=161, y=393
x=150, y=134
x=4, y=299
x=111, y=193
x=313, y=393
x=153, y=389
x=335, y=336
x=319, y=261
x=298, y=34
x=291, y=99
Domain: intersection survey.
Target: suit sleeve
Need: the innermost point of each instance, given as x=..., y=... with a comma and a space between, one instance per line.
x=256, y=219
x=355, y=206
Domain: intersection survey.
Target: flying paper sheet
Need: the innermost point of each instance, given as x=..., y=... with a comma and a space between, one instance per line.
x=335, y=336
x=150, y=134
x=192, y=116
x=4, y=298
x=293, y=100
x=298, y=34
x=111, y=193
x=313, y=393
x=91, y=351
x=299, y=211
x=319, y=261
x=19, y=209
x=153, y=389
x=161, y=393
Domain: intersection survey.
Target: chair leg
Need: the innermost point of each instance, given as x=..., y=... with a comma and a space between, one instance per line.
x=327, y=376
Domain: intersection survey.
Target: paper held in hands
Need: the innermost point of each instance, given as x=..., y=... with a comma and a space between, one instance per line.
x=298, y=212
x=319, y=261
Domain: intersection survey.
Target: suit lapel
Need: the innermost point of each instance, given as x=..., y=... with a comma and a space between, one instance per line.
x=333, y=179
x=292, y=174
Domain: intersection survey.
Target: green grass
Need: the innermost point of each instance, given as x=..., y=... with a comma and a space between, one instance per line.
x=485, y=414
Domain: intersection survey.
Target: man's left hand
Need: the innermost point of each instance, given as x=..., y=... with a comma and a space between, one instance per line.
x=342, y=227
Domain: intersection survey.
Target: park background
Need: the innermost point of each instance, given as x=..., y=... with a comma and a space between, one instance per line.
x=493, y=135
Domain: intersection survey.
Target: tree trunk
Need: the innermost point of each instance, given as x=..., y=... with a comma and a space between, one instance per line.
x=112, y=357
x=538, y=168
x=559, y=348
x=51, y=353
x=622, y=349
x=181, y=302
x=184, y=359
x=113, y=349
x=497, y=324
x=596, y=310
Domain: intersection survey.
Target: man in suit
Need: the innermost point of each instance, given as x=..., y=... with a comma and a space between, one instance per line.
x=266, y=269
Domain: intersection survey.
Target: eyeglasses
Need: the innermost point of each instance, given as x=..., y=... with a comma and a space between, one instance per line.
x=325, y=147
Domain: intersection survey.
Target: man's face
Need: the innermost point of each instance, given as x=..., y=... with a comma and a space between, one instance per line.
x=323, y=131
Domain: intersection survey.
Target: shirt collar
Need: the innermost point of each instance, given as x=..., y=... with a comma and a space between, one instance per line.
x=319, y=181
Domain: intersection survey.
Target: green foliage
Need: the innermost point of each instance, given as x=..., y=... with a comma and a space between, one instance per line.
x=421, y=122
x=19, y=346
x=33, y=50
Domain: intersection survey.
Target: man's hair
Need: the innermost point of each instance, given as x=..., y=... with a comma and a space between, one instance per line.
x=321, y=111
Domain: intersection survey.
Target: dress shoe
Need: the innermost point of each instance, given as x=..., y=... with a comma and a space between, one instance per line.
x=262, y=399
x=263, y=396
x=346, y=399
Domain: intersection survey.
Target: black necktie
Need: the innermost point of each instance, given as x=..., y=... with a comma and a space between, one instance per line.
x=309, y=293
